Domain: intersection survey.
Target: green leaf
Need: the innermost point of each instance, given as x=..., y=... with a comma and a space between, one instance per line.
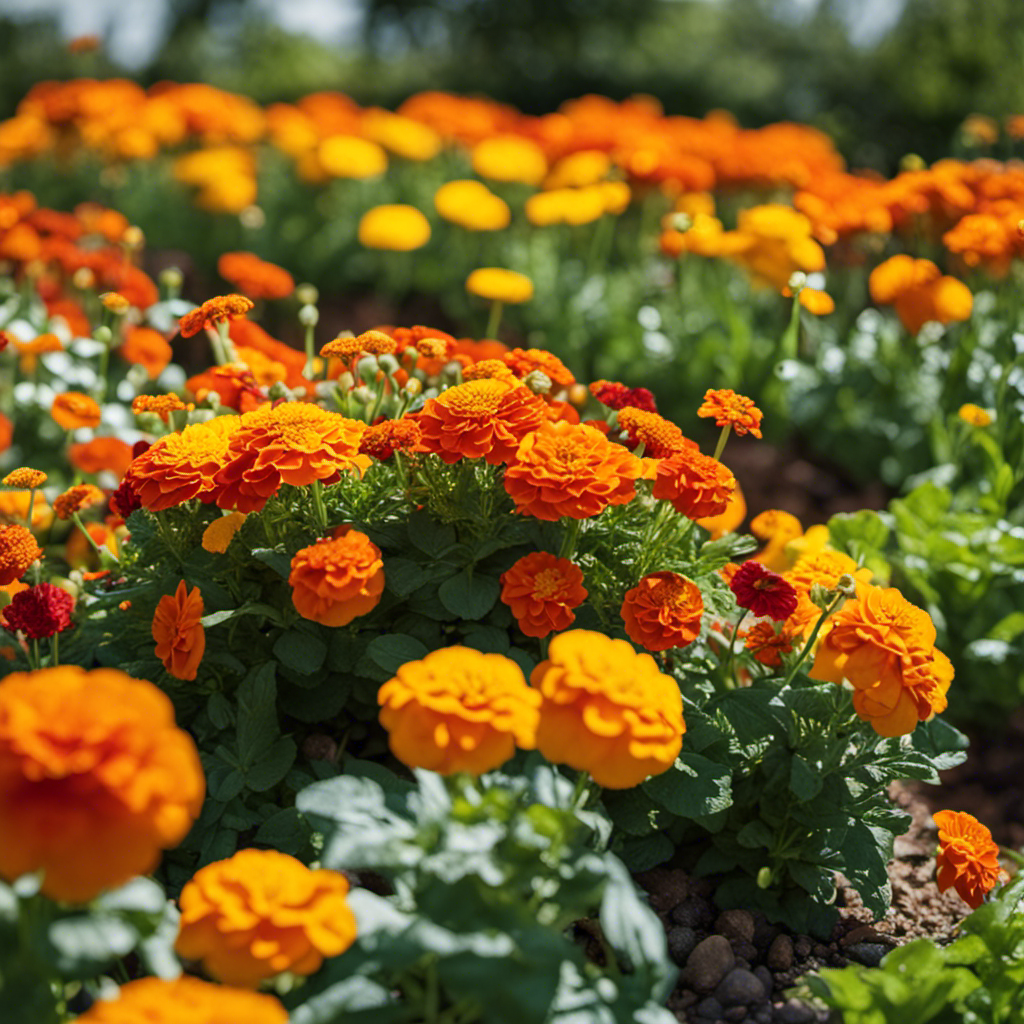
x=469, y=596
x=804, y=781
x=819, y=882
x=642, y=853
x=693, y=787
x=287, y=831
x=859, y=534
x=391, y=651
x=1008, y=628
x=279, y=561
x=220, y=711
x=431, y=537
x=300, y=651
x=216, y=618
x=402, y=576
x=257, y=714
x=272, y=767
x=755, y=835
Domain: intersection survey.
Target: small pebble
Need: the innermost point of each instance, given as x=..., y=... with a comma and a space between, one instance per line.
x=736, y=924
x=802, y=946
x=793, y=1012
x=681, y=943
x=710, y=1008
x=735, y=1013
x=744, y=950
x=709, y=963
x=868, y=953
x=763, y=1015
x=740, y=987
x=765, y=977
x=780, y=953
x=694, y=912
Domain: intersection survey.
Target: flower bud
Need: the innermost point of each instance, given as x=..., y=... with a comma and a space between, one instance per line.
x=413, y=386
x=363, y=395
x=680, y=221
x=387, y=363
x=797, y=281
x=83, y=278
x=368, y=368
x=103, y=334
x=280, y=390
x=764, y=877
x=307, y=294
x=847, y=585
x=172, y=279
x=309, y=316
x=538, y=382
x=346, y=382
x=133, y=237
x=821, y=596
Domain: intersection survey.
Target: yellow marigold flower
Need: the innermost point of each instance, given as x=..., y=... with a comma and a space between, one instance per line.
x=95, y=779
x=178, y=631
x=219, y=534
x=18, y=550
x=778, y=529
x=824, y=567
x=75, y=499
x=260, y=913
x=72, y=410
x=729, y=409
x=338, y=578
x=14, y=508
x=402, y=136
x=377, y=343
x=472, y=205
x=184, y=1001
x=162, y=405
x=607, y=710
x=510, y=158
x=397, y=227
x=25, y=478
x=432, y=348
x=115, y=302
x=585, y=167
x=458, y=710
x=500, y=285
x=348, y=156
x=219, y=309
x=489, y=369
x=343, y=347
x=971, y=414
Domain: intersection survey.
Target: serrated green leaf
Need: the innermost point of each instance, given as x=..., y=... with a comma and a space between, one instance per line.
x=279, y=561
x=272, y=767
x=693, y=787
x=804, y=781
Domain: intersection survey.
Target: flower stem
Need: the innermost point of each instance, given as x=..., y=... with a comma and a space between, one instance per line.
x=88, y=536
x=722, y=438
x=570, y=539
x=727, y=663
x=318, y=505
x=494, y=319
x=809, y=646
x=580, y=792
x=54, y=650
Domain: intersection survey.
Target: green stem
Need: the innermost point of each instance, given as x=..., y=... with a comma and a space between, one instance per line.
x=570, y=539
x=580, y=792
x=307, y=370
x=54, y=650
x=36, y=663
x=318, y=505
x=722, y=438
x=1011, y=854
x=809, y=646
x=99, y=551
x=31, y=505
x=727, y=677
x=494, y=319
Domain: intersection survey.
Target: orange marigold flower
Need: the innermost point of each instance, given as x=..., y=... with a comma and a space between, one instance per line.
x=162, y=405
x=817, y=302
x=824, y=567
x=885, y=647
x=659, y=437
x=968, y=857
x=235, y=384
x=919, y=292
x=729, y=520
x=219, y=309
x=255, y=277
x=101, y=453
x=260, y=913
x=480, y=419
x=494, y=369
x=6, y=433
x=182, y=466
x=18, y=550
x=156, y=1001
x=377, y=343
x=768, y=643
x=542, y=590
x=566, y=469
x=458, y=710
x=382, y=440
x=95, y=779
x=663, y=610
x=115, y=302
x=293, y=443
x=72, y=410
x=697, y=485
x=607, y=710
x=178, y=632
x=25, y=478
x=971, y=414
x=434, y=348
x=218, y=535
x=147, y=348
x=337, y=579
x=75, y=499
x=523, y=361
x=729, y=409
x=342, y=347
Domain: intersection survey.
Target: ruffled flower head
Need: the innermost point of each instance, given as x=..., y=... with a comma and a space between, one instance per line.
x=18, y=550
x=542, y=590
x=39, y=612
x=729, y=409
x=217, y=310
x=337, y=579
x=257, y=278
x=763, y=592
x=663, y=610
x=72, y=409
x=697, y=485
x=178, y=631
x=968, y=858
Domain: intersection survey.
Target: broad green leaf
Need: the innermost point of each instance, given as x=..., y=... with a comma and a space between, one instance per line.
x=693, y=787
x=300, y=651
x=272, y=767
x=469, y=596
x=391, y=651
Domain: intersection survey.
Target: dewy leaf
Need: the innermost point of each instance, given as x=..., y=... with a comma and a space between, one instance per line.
x=469, y=596
x=693, y=787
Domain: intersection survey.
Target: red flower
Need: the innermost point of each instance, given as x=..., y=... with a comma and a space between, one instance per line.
x=618, y=396
x=40, y=611
x=762, y=591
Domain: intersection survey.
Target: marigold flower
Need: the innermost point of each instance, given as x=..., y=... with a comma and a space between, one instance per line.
x=697, y=485
x=660, y=437
x=824, y=568
x=607, y=710
x=500, y=285
x=458, y=710
x=395, y=227
x=565, y=469
x=434, y=348
x=968, y=857
x=72, y=409
x=349, y=156
x=95, y=779
x=115, y=302
x=510, y=158
x=971, y=414
x=39, y=612
x=156, y=1001
x=18, y=550
x=729, y=409
x=235, y=384
x=618, y=396
x=768, y=644
x=6, y=433
x=147, y=348
x=382, y=440
x=663, y=610
x=178, y=631
x=480, y=419
x=161, y=405
x=293, y=443
x=25, y=478
x=729, y=520
x=256, y=278
x=260, y=913
x=523, y=361
x=763, y=592
x=492, y=369
x=817, y=302
x=219, y=309
x=885, y=647
x=125, y=500
x=343, y=347
x=542, y=590
x=337, y=579
x=75, y=499
x=472, y=205
x=182, y=466
x=218, y=535
x=919, y=292
x=101, y=453
x=778, y=529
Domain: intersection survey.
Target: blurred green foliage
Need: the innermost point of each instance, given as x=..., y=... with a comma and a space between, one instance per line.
x=763, y=60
